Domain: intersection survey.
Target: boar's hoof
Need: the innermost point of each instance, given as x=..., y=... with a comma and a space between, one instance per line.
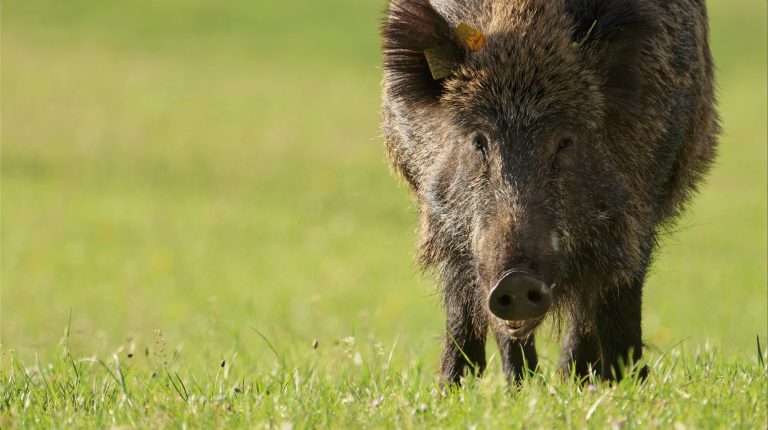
x=520, y=296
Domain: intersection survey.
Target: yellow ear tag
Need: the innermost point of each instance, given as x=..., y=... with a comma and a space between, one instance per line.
x=441, y=61
x=472, y=38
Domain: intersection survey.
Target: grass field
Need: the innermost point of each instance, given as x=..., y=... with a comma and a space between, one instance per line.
x=195, y=192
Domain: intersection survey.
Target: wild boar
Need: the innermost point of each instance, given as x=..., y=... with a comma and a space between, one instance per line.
x=547, y=143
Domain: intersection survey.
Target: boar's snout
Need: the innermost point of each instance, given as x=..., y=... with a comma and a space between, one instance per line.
x=520, y=296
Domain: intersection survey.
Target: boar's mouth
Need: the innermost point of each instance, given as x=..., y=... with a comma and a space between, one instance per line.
x=520, y=297
x=521, y=329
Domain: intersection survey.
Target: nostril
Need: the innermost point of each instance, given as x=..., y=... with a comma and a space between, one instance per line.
x=505, y=300
x=534, y=296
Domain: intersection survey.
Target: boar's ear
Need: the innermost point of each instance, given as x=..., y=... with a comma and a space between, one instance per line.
x=413, y=31
x=614, y=34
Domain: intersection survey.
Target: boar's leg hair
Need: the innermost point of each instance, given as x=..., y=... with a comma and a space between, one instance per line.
x=619, y=328
x=466, y=326
x=581, y=350
x=518, y=356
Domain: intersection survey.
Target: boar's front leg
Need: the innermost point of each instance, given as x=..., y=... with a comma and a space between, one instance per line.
x=466, y=328
x=581, y=349
x=620, y=332
x=518, y=357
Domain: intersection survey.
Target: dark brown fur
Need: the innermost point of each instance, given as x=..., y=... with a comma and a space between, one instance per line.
x=599, y=120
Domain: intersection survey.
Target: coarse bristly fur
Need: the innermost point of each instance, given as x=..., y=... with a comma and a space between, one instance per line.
x=561, y=148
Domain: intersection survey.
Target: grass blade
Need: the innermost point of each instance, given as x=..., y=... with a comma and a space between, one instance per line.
x=281, y=359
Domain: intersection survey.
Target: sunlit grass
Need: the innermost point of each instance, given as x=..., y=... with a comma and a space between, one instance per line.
x=178, y=177
x=349, y=384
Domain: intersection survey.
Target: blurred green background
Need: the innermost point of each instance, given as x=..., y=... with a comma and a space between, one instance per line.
x=206, y=168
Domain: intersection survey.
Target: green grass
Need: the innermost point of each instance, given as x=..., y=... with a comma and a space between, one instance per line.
x=195, y=181
x=351, y=385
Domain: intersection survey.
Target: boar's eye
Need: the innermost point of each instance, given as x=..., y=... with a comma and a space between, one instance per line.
x=564, y=144
x=561, y=159
x=480, y=144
